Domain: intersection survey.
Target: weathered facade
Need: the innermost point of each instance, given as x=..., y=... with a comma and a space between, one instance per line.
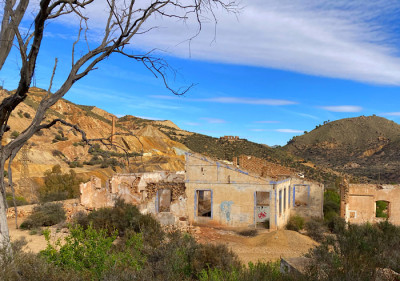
x=362, y=203
x=210, y=192
x=160, y=193
x=226, y=195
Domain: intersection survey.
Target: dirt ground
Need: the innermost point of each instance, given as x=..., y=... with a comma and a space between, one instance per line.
x=266, y=246
x=36, y=242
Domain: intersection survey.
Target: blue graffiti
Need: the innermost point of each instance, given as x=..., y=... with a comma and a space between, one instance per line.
x=226, y=209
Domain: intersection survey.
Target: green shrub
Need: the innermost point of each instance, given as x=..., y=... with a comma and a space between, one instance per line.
x=355, y=253
x=59, y=186
x=248, y=232
x=14, y=134
x=315, y=229
x=295, y=223
x=19, y=200
x=27, y=115
x=91, y=250
x=123, y=217
x=47, y=214
x=27, y=266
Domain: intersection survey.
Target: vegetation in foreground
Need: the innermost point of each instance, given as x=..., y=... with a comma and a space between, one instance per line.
x=122, y=244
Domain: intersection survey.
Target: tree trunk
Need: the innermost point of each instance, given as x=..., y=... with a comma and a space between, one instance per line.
x=4, y=233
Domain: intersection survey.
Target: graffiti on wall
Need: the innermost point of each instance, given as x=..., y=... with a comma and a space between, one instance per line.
x=226, y=207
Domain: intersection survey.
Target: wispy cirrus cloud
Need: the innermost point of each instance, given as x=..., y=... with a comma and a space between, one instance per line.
x=192, y=124
x=213, y=120
x=391, y=113
x=292, y=131
x=343, y=108
x=344, y=39
x=231, y=100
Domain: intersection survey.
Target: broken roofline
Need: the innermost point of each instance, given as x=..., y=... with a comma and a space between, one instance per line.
x=242, y=171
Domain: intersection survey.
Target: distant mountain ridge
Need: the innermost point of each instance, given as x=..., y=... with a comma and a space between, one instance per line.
x=363, y=146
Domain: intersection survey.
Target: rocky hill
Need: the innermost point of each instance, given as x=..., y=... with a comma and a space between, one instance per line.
x=366, y=146
x=143, y=145
x=148, y=148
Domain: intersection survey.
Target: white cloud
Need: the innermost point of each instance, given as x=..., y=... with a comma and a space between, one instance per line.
x=343, y=108
x=390, y=114
x=150, y=118
x=192, y=124
x=340, y=39
x=289, y=131
x=229, y=100
x=213, y=120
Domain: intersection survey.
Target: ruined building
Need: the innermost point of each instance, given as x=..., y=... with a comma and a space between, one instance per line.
x=211, y=192
x=362, y=203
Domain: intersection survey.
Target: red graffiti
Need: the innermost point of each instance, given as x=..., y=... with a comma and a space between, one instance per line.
x=262, y=215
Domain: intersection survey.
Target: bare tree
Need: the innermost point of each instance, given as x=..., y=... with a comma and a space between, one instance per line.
x=125, y=19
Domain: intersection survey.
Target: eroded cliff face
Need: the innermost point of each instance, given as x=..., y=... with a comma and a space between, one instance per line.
x=149, y=148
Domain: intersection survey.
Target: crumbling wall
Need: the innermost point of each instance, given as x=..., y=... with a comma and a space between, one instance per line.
x=233, y=194
x=261, y=167
x=143, y=190
x=94, y=195
x=307, y=198
x=358, y=202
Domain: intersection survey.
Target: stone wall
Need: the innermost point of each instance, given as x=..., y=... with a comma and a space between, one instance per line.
x=71, y=207
x=233, y=195
x=145, y=190
x=358, y=202
x=261, y=167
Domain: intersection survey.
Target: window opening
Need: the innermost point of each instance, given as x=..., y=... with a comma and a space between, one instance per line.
x=164, y=200
x=204, y=203
x=382, y=209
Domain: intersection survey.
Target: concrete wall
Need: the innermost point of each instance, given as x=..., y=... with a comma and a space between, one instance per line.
x=262, y=167
x=359, y=202
x=307, y=198
x=233, y=191
x=142, y=190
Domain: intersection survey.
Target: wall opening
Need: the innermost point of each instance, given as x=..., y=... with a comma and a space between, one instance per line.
x=204, y=203
x=284, y=200
x=164, y=200
x=301, y=195
x=263, y=208
x=280, y=202
x=382, y=209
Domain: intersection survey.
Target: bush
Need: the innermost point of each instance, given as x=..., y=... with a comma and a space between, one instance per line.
x=47, y=214
x=248, y=232
x=14, y=134
x=28, y=266
x=295, y=223
x=19, y=200
x=59, y=186
x=355, y=253
x=315, y=229
x=123, y=217
x=27, y=115
x=91, y=251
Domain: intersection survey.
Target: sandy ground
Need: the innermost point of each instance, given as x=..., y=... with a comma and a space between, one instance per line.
x=266, y=246
x=36, y=242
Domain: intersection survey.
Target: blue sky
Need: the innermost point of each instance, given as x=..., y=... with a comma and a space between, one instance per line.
x=274, y=70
